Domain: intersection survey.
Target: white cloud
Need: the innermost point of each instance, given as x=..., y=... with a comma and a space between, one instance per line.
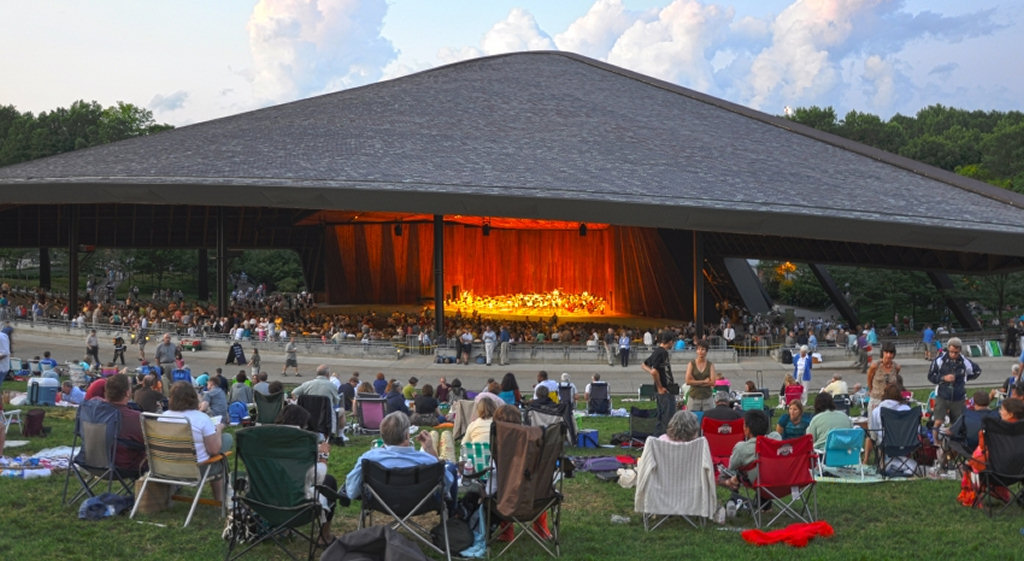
x=595, y=33
x=170, y=102
x=304, y=47
x=517, y=32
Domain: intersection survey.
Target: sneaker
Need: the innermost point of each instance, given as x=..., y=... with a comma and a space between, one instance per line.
x=730, y=509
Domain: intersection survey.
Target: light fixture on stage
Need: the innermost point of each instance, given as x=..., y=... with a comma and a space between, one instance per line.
x=487, y=227
x=583, y=230
x=398, y=229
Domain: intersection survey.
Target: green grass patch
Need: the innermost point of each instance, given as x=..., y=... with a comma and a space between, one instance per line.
x=917, y=518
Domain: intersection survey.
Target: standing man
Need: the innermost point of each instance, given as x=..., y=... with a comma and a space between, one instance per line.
x=119, y=349
x=624, y=348
x=802, y=369
x=490, y=341
x=92, y=348
x=659, y=366
x=951, y=371
x=142, y=336
x=164, y=356
x=610, y=344
x=290, y=357
x=928, y=338
x=504, y=342
x=729, y=334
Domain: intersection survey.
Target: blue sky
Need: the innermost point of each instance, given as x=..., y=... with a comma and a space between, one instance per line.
x=194, y=60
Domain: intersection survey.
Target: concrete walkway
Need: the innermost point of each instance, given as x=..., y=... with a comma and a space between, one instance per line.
x=30, y=341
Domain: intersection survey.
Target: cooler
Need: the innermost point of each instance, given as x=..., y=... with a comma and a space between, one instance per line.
x=586, y=438
x=42, y=391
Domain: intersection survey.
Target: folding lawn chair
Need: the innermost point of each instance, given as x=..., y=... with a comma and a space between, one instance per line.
x=277, y=460
x=1004, y=468
x=750, y=401
x=842, y=402
x=528, y=483
x=675, y=479
x=172, y=461
x=322, y=418
x=600, y=402
x=268, y=407
x=642, y=423
x=369, y=413
x=11, y=417
x=542, y=416
x=722, y=437
x=403, y=494
x=785, y=480
x=843, y=448
x=565, y=395
x=97, y=424
x=900, y=439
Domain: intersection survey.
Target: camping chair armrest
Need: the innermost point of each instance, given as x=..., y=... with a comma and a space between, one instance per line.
x=478, y=474
x=218, y=458
x=333, y=495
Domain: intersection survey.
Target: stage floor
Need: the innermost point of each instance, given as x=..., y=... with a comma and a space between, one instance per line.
x=409, y=309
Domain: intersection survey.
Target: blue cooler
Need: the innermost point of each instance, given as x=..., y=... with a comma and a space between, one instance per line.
x=42, y=391
x=586, y=438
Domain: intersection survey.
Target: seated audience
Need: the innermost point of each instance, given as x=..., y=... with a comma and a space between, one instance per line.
x=241, y=390
x=397, y=452
x=70, y=393
x=825, y=419
x=793, y=424
x=966, y=428
x=215, y=401
x=209, y=439
x=479, y=429
x=682, y=427
x=723, y=409
x=425, y=406
x=130, y=454
x=394, y=398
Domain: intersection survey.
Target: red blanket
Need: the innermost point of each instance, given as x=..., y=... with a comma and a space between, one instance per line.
x=796, y=535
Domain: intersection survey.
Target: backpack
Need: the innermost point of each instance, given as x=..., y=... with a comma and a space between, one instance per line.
x=460, y=536
x=238, y=413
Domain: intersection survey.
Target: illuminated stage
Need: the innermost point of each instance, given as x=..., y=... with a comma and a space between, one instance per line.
x=624, y=271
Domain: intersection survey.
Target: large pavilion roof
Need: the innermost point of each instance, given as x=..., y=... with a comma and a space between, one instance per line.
x=545, y=136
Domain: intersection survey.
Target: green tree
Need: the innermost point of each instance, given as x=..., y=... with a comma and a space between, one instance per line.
x=823, y=119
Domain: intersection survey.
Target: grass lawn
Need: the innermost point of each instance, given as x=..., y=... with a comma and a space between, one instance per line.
x=917, y=518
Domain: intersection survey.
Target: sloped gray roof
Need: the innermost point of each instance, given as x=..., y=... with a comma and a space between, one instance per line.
x=546, y=135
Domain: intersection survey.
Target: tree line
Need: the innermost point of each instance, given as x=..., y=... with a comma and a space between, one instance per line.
x=24, y=136
x=984, y=145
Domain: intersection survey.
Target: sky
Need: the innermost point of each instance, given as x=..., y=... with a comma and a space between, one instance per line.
x=194, y=60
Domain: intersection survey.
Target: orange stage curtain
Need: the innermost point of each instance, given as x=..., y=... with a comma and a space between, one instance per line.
x=631, y=268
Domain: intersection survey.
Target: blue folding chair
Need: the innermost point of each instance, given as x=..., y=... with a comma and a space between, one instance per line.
x=843, y=448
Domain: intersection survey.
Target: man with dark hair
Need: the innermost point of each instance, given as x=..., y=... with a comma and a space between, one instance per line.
x=755, y=423
x=130, y=454
x=397, y=452
x=148, y=398
x=659, y=366
x=965, y=429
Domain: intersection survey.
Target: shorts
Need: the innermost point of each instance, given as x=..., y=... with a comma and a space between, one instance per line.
x=698, y=404
x=943, y=406
x=291, y=362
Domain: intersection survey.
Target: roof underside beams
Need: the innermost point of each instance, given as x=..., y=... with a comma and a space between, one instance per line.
x=194, y=226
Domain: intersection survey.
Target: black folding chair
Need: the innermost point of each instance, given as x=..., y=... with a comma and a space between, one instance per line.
x=97, y=424
x=900, y=439
x=405, y=493
x=642, y=423
x=1004, y=468
x=600, y=402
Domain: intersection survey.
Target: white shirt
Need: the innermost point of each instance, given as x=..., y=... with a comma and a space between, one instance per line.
x=202, y=426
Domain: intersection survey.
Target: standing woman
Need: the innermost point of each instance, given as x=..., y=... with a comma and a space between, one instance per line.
x=701, y=377
x=802, y=368
x=624, y=348
x=882, y=374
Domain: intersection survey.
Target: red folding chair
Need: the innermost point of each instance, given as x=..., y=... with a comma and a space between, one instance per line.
x=722, y=437
x=785, y=480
